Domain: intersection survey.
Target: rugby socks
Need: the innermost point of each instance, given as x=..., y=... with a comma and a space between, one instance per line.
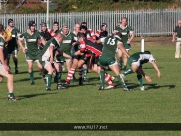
x=111, y=77
x=70, y=74
x=31, y=74
x=120, y=82
x=11, y=95
x=80, y=72
x=49, y=80
x=59, y=76
x=43, y=75
x=102, y=77
x=85, y=72
x=108, y=79
x=140, y=81
x=16, y=63
x=124, y=68
x=129, y=71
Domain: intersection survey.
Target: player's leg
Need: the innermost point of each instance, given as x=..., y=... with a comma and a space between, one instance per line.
x=15, y=60
x=177, y=52
x=30, y=71
x=39, y=65
x=139, y=77
x=72, y=70
x=58, y=68
x=107, y=77
x=120, y=58
x=125, y=61
x=10, y=83
x=49, y=68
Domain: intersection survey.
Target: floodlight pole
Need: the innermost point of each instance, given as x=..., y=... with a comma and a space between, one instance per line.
x=47, y=19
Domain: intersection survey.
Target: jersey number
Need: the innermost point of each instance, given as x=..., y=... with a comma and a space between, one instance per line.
x=111, y=41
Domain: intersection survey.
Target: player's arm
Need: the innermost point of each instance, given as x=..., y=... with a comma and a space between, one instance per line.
x=173, y=37
x=156, y=68
x=131, y=33
x=20, y=39
x=140, y=71
x=63, y=53
x=123, y=50
x=51, y=48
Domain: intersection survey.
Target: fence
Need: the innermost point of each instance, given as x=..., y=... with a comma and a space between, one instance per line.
x=144, y=22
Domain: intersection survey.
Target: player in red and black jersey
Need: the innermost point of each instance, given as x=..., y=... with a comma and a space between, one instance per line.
x=102, y=32
x=90, y=33
x=54, y=30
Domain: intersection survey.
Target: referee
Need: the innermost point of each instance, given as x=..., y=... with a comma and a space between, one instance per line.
x=177, y=35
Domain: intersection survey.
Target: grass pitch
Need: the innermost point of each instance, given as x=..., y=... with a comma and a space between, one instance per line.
x=159, y=103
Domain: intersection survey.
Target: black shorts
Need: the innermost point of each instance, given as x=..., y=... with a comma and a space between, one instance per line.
x=5, y=52
x=81, y=57
x=95, y=60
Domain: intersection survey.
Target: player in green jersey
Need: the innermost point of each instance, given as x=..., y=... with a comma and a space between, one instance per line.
x=110, y=45
x=12, y=44
x=136, y=61
x=31, y=38
x=46, y=58
x=4, y=69
x=66, y=45
x=127, y=37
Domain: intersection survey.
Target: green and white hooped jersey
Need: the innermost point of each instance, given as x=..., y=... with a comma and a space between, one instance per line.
x=110, y=44
x=45, y=53
x=1, y=43
x=68, y=39
x=125, y=32
x=141, y=57
x=31, y=41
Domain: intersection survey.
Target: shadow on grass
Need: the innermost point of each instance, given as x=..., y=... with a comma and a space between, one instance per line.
x=34, y=95
x=26, y=72
x=27, y=79
x=151, y=86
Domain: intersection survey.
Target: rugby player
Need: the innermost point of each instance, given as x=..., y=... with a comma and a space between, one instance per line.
x=136, y=61
x=4, y=68
x=127, y=37
x=110, y=45
x=31, y=37
x=46, y=58
x=12, y=44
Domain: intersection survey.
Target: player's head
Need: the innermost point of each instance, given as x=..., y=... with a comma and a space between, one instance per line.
x=179, y=22
x=81, y=36
x=147, y=52
x=43, y=26
x=83, y=24
x=59, y=37
x=55, y=25
x=1, y=29
x=32, y=25
x=77, y=27
x=103, y=26
x=124, y=21
x=83, y=29
x=65, y=29
x=10, y=22
x=118, y=34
